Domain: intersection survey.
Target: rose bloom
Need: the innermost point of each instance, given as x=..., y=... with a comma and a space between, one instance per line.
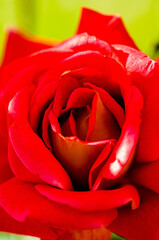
x=79, y=133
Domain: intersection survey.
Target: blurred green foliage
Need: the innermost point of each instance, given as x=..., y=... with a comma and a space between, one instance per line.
x=5, y=236
x=58, y=19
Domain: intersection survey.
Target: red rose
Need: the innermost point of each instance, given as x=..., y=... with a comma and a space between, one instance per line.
x=79, y=134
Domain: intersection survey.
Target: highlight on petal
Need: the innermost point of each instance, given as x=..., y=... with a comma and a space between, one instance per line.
x=144, y=74
x=122, y=155
x=106, y=27
x=145, y=77
x=84, y=42
x=29, y=147
x=87, y=58
x=30, y=205
x=93, y=200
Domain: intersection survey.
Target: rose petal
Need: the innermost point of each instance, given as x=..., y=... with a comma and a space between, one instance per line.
x=54, y=122
x=44, y=79
x=68, y=125
x=87, y=58
x=24, y=71
x=122, y=155
x=81, y=119
x=18, y=45
x=65, y=87
x=92, y=200
x=110, y=103
x=80, y=97
x=40, y=103
x=18, y=168
x=24, y=78
x=84, y=72
x=144, y=74
x=100, y=162
x=45, y=127
x=5, y=171
x=146, y=174
x=150, y=124
x=106, y=27
x=76, y=156
x=102, y=124
x=31, y=228
x=105, y=76
x=30, y=205
x=141, y=223
x=29, y=147
x=84, y=42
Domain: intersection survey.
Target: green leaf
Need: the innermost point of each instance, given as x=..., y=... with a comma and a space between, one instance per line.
x=116, y=237
x=6, y=236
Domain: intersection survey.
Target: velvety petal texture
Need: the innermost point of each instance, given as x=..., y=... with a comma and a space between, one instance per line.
x=31, y=205
x=141, y=223
x=18, y=45
x=106, y=27
x=79, y=135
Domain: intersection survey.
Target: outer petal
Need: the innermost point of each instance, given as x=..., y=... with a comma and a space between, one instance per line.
x=122, y=155
x=105, y=76
x=29, y=227
x=146, y=174
x=29, y=204
x=92, y=200
x=18, y=45
x=26, y=70
x=141, y=223
x=108, y=28
x=144, y=73
x=84, y=42
x=5, y=171
x=30, y=148
x=18, y=168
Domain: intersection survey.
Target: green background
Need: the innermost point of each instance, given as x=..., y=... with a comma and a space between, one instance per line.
x=58, y=19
